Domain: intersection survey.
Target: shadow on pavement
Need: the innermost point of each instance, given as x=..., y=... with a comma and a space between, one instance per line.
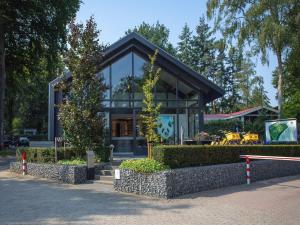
x=245, y=188
x=36, y=200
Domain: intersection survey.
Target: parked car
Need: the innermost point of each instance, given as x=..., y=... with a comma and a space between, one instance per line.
x=23, y=141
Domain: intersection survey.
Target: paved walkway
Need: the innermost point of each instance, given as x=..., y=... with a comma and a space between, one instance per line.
x=29, y=200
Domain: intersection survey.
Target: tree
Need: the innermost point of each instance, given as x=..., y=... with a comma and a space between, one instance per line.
x=292, y=67
x=80, y=114
x=258, y=93
x=150, y=110
x=203, y=53
x=261, y=23
x=30, y=30
x=157, y=33
x=184, y=49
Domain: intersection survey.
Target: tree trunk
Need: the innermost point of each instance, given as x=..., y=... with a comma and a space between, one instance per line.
x=280, y=84
x=2, y=83
x=149, y=148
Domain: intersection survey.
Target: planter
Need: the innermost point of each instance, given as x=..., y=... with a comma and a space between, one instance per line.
x=173, y=183
x=64, y=173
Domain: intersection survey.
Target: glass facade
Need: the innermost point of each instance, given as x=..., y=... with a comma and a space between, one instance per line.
x=123, y=102
x=121, y=81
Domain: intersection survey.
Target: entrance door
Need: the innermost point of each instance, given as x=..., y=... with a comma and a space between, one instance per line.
x=122, y=133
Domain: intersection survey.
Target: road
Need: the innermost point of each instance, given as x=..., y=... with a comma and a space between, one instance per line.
x=29, y=200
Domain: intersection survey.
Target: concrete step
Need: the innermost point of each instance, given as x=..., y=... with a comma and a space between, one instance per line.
x=105, y=182
x=104, y=179
x=106, y=172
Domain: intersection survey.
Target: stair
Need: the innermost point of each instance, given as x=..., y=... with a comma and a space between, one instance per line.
x=106, y=175
x=104, y=179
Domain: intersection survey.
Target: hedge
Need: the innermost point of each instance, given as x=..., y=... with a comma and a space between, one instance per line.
x=197, y=155
x=47, y=155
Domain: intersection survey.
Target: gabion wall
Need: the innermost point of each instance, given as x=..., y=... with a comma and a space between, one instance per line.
x=63, y=173
x=173, y=183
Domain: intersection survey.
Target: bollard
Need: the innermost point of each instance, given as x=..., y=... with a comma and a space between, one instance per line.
x=248, y=170
x=24, y=163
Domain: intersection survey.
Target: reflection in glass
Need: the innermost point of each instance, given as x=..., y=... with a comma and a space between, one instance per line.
x=121, y=78
x=105, y=76
x=139, y=72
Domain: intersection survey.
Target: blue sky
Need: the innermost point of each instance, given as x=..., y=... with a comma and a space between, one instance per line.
x=114, y=17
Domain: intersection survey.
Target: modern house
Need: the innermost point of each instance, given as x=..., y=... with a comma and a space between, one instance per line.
x=181, y=91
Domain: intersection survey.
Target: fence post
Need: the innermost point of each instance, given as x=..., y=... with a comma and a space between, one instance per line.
x=248, y=170
x=24, y=163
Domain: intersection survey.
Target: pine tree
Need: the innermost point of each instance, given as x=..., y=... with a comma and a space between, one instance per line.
x=184, y=49
x=220, y=74
x=203, y=53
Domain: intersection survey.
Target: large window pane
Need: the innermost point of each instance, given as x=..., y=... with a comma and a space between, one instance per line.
x=187, y=96
x=139, y=72
x=166, y=89
x=121, y=78
x=104, y=74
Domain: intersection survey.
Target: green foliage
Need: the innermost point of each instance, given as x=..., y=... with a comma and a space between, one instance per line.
x=263, y=25
x=4, y=153
x=77, y=161
x=103, y=153
x=34, y=36
x=203, y=54
x=150, y=110
x=185, y=47
x=47, y=155
x=157, y=33
x=201, y=155
x=80, y=114
x=143, y=165
x=17, y=123
x=214, y=127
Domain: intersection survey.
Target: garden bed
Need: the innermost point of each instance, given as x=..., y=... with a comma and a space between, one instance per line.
x=176, y=182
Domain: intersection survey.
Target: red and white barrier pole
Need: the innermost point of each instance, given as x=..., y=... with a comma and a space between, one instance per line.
x=24, y=163
x=248, y=170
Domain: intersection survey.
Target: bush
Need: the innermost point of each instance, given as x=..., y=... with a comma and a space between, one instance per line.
x=4, y=153
x=47, y=155
x=102, y=152
x=143, y=165
x=198, y=155
x=72, y=162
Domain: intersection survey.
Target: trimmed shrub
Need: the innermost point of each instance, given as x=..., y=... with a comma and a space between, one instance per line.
x=72, y=162
x=197, y=155
x=47, y=155
x=143, y=165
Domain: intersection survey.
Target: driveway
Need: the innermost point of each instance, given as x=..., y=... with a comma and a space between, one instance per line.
x=29, y=200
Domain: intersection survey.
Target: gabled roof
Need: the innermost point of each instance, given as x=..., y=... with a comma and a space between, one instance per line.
x=238, y=114
x=136, y=42
x=184, y=73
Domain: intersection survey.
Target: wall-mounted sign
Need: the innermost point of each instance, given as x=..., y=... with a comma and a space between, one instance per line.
x=166, y=126
x=281, y=131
